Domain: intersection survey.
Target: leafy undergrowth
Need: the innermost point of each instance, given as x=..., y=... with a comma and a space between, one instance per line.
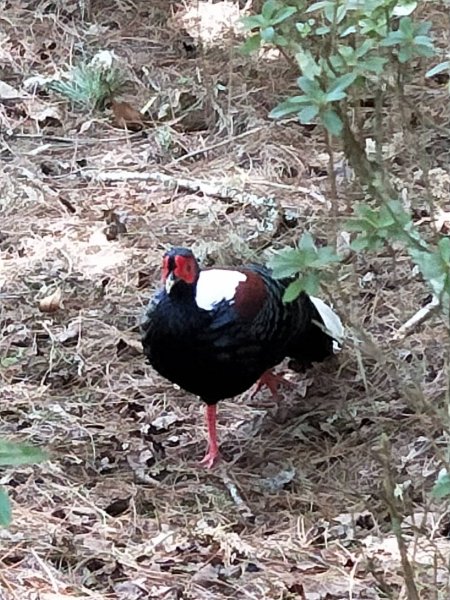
x=121, y=510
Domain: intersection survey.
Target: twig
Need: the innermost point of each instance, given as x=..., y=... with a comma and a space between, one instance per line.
x=236, y=497
x=47, y=189
x=217, y=190
x=333, y=185
x=417, y=319
x=47, y=570
x=214, y=146
x=295, y=189
x=66, y=140
x=396, y=519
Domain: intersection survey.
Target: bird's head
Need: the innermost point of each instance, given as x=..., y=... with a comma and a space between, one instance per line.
x=179, y=267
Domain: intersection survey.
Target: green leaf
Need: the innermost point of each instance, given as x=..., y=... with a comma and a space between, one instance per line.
x=308, y=64
x=308, y=85
x=361, y=242
x=323, y=30
x=251, y=44
x=364, y=48
x=441, y=488
x=89, y=85
x=425, y=51
x=307, y=243
x=5, y=508
x=406, y=26
x=310, y=283
x=394, y=38
x=374, y=64
x=340, y=13
x=340, y=84
x=423, y=27
x=267, y=34
x=404, y=55
x=269, y=8
x=254, y=22
x=444, y=247
x=293, y=291
x=9, y=361
x=283, y=14
x=331, y=121
x=307, y=114
x=306, y=257
x=292, y=105
x=13, y=454
x=432, y=268
x=304, y=29
x=318, y=5
x=330, y=12
x=423, y=40
x=325, y=256
x=348, y=31
x=280, y=40
x=335, y=96
x=389, y=222
x=286, y=263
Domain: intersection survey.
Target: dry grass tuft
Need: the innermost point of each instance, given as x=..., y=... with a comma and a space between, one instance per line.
x=122, y=511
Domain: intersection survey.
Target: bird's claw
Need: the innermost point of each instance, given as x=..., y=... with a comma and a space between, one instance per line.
x=272, y=381
x=210, y=458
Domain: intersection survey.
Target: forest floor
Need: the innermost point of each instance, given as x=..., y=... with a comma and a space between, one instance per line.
x=298, y=507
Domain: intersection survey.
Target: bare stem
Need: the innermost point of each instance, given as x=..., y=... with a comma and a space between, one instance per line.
x=333, y=185
x=396, y=520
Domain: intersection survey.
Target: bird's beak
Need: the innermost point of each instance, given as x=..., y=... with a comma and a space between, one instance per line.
x=169, y=282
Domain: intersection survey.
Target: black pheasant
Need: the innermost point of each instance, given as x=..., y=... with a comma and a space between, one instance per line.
x=215, y=332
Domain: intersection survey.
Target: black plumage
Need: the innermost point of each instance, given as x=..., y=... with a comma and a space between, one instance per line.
x=218, y=349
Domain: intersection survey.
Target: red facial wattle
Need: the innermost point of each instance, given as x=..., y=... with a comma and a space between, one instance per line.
x=165, y=269
x=185, y=269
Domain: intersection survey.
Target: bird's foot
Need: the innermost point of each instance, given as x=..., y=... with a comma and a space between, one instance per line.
x=210, y=458
x=272, y=381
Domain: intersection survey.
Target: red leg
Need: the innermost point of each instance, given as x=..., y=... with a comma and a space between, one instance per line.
x=272, y=381
x=213, y=450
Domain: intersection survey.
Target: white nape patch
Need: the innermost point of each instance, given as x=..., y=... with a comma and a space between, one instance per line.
x=215, y=285
x=332, y=322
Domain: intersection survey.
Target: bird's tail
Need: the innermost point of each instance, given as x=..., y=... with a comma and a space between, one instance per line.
x=331, y=323
x=321, y=337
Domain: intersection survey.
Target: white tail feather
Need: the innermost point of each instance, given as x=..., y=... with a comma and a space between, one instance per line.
x=333, y=324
